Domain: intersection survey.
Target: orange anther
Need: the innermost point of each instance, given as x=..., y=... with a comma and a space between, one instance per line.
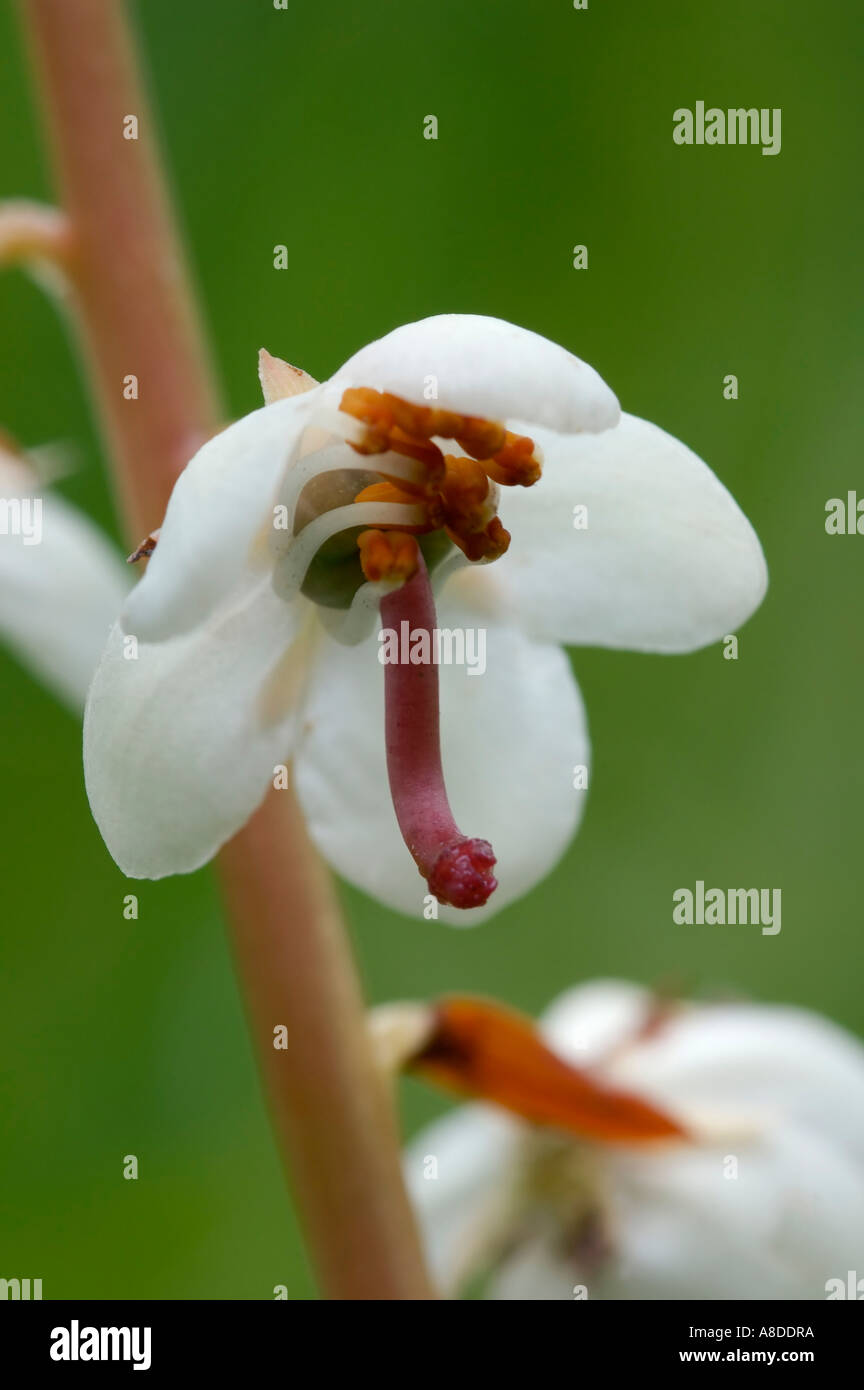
x=420, y=449
x=367, y=406
x=387, y=555
x=454, y=493
x=403, y=495
x=424, y=420
x=387, y=492
x=488, y=544
x=465, y=493
x=370, y=409
x=514, y=465
x=480, y=438
x=483, y=1050
x=382, y=411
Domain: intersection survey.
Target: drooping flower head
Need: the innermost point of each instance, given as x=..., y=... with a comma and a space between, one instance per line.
x=640, y=1149
x=339, y=508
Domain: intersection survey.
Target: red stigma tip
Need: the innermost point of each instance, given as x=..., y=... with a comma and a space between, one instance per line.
x=462, y=874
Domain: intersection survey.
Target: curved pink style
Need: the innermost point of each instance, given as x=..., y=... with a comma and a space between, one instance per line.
x=457, y=869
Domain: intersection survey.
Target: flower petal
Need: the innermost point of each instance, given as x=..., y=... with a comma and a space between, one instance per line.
x=683, y=1224
x=460, y=1172
x=58, y=597
x=487, y=367
x=787, y=1218
x=768, y=1060
x=210, y=547
x=586, y=1023
x=520, y=724
x=668, y=562
x=537, y=1269
x=181, y=742
x=756, y=1061
x=776, y=1213
x=790, y=1214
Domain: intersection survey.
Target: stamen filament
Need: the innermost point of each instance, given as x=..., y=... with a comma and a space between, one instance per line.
x=306, y=544
x=387, y=465
x=457, y=869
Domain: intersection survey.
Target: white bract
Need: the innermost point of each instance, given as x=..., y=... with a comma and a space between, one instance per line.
x=257, y=629
x=767, y=1201
x=62, y=583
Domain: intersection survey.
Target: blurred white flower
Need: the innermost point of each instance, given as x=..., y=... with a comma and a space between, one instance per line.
x=765, y=1199
x=62, y=583
x=285, y=535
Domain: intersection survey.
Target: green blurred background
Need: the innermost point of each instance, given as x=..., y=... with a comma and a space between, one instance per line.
x=305, y=128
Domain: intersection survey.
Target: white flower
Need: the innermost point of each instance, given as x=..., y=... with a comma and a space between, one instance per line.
x=764, y=1200
x=257, y=617
x=62, y=584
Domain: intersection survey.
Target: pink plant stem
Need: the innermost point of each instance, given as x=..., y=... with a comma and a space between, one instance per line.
x=456, y=868
x=135, y=309
x=332, y=1108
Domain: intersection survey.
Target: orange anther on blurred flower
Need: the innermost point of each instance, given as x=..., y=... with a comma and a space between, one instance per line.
x=482, y=1049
